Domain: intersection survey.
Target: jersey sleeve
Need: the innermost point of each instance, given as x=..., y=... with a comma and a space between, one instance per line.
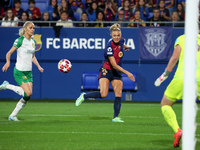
x=178, y=41
x=109, y=51
x=18, y=42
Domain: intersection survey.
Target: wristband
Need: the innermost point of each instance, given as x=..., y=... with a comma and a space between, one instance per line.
x=169, y=70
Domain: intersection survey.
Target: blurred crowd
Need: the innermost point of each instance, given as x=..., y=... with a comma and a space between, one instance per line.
x=96, y=13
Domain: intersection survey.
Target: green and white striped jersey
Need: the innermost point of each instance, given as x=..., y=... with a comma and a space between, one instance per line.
x=25, y=51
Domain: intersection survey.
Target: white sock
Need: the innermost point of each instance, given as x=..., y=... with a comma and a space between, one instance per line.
x=21, y=104
x=16, y=89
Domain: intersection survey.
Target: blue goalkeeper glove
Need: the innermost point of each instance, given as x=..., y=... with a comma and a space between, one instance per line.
x=163, y=77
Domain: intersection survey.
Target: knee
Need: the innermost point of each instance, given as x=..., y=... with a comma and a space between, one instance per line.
x=103, y=94
x=29, y=93
x=118, y=94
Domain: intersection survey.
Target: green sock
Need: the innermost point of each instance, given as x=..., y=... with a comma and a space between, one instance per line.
x=170, y=117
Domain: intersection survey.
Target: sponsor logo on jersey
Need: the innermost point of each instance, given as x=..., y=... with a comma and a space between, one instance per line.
x=120, y=54
x=37, y=38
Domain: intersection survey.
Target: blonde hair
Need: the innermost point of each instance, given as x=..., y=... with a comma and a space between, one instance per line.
x=21, y=30
x=115, y=27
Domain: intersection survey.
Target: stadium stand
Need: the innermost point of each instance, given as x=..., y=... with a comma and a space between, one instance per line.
x=41, y=4
x=77, y=15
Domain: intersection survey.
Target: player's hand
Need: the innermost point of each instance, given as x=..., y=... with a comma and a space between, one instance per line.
x=41, y=69
x=126, y=48
x=6, y=66
x=131, y=77
x=162, y=78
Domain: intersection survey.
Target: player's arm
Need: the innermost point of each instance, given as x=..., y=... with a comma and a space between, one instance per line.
x=34, y=59
x=172, y=62
x=117, y=67
x=174, y=58
x=8, y=55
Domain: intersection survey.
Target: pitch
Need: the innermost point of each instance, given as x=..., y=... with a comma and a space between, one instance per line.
x=60, y=125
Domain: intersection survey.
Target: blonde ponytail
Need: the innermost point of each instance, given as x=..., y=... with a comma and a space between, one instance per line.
x=21, y=31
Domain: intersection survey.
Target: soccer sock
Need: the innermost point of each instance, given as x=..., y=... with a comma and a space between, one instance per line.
x=170, y=117
x=21, y=104
x=16, y=89
x=117, y=106
x=95, y=94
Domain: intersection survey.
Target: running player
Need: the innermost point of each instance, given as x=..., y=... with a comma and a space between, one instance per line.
x=25, y=46
x=111, y=71
x=174, y=90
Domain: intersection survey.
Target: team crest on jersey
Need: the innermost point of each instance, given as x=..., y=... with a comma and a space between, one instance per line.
x=155, y=42
x=120, y=54
x=24, y=77
x=37, y=38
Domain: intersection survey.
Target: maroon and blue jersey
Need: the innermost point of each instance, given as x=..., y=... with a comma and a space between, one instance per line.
x=115, y=50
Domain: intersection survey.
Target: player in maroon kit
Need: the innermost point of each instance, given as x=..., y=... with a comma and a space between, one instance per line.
x=111, y=71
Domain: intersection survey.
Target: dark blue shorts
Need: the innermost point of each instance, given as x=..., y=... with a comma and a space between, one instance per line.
x=110, y=74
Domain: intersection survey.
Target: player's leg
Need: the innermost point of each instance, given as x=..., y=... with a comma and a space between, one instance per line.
x=25, y=80
x=117, y=87
x=173, y=92
x=169, y=114
x=17, y=89
x=104, y=79
x=27, y=87
x=104, y=87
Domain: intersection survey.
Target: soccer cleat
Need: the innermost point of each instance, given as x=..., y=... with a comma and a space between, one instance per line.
x=177, y=137
x=3, y=85
x=80, y=99
x=13, y=118
x=117, y=119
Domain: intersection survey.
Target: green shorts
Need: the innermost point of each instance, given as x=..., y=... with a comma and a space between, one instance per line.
x=174, y=90
x=22, y=76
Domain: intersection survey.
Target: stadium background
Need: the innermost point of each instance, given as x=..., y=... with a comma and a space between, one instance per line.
x=53, y=84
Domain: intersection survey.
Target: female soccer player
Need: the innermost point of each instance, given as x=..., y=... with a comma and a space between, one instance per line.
x=25, y=46
x=174, y=90
x=111, y=71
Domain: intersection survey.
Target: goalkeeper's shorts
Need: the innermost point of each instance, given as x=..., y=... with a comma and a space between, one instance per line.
x=174, y=90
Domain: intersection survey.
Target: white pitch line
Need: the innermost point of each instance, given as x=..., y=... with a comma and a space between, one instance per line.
x=107, y=133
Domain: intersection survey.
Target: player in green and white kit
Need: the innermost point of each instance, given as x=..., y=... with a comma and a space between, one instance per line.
x=25, y=46
x=174, y=90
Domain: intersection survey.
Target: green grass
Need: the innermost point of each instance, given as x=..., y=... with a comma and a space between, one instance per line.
x=63, y=126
